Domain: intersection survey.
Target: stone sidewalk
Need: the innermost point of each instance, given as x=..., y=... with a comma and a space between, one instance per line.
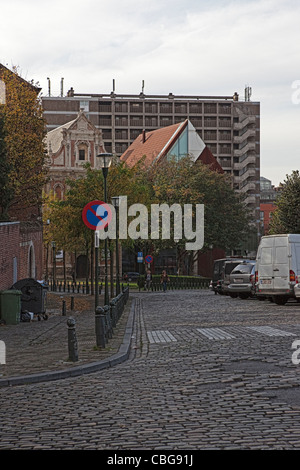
x=38, y=350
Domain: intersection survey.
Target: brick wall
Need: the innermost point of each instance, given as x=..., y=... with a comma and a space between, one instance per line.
x=9, y=253
x=21, y=252
x=31, y=251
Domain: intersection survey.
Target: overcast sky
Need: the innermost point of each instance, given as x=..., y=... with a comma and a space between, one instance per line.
x=197, y=47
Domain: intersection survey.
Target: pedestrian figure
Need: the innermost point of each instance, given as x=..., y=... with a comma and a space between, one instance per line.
x=148, y=282
x=164, y=279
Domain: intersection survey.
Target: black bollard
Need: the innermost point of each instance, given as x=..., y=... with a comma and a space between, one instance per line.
x=63, y=307
x=72, y=340
x=100, y=327
x=72, y=303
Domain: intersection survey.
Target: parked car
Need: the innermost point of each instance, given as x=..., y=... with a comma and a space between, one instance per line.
x=131, y=276
x=278, y=267
x=297, y=289
x=225, y=280
x=242, y=280
x=218, y=273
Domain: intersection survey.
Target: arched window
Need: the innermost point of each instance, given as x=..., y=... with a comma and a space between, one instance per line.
x=59, y=191
x=82, y=151
x=31, y=262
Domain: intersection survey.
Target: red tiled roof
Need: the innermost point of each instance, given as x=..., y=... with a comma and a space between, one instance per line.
x=152, y=144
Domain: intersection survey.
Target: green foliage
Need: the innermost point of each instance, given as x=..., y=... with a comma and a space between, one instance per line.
x=286, y=218
x=67, y=227
x=171, y=182
x=186, y=182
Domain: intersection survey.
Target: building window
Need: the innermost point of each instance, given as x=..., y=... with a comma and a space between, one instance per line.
x=84, y=105
x=180, y=148
x=81, y=154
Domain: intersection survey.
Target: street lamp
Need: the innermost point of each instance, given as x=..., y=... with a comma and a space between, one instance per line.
x=105, y=160
x=116, y=204
x=53, y=264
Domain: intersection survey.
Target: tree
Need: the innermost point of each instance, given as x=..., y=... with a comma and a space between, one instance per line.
x=186, y=182
x=23, y=153
x=6, y=192
x=67, y=227
x=226, y=218
x=286, y=217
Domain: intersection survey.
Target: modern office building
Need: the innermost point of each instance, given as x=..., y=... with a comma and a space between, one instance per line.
x=229, y=126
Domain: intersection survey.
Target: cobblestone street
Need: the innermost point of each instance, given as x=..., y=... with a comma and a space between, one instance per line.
x=204, y=372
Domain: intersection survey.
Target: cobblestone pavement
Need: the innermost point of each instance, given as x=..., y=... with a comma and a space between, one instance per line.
x=205, y=372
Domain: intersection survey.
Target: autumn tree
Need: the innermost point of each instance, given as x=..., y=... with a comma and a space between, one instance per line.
x=6, y=192
x=23, y=154
x=67, y=227
x=286, y=217
x=226, y=219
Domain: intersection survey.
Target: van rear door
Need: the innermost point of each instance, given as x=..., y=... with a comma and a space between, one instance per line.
x=281, y=264
x=265, y=265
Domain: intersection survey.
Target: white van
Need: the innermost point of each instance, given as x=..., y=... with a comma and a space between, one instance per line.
x=278, y=267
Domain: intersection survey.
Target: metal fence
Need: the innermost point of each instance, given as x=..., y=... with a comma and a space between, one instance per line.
x=175, y=284
x=108, y=316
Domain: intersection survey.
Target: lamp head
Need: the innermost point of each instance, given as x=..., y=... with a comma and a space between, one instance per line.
x=105, y=159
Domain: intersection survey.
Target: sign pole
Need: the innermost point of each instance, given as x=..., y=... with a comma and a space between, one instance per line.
x=96, y=245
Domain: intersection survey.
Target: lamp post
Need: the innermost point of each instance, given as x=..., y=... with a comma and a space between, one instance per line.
x=105, y=160
x=53, y=264
x=116, y=204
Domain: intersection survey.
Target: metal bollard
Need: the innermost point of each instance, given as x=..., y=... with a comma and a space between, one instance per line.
x=108, y=321
x=72, y=303
x=72, y=340
x=63, y=307
x=113, y=313
x=100, y=327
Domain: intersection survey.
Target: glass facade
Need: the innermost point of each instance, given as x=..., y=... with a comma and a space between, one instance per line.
x=180, y=148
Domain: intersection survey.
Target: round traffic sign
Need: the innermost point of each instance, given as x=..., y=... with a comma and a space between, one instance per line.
x=96, y=215
x=148, y=259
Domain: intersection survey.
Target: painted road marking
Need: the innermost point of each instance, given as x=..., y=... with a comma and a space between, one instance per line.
x=160, y=336
x=165, y=336
x=269, y=331
x=215, y=333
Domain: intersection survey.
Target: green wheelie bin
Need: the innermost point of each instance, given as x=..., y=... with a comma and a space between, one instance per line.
x=10, y=306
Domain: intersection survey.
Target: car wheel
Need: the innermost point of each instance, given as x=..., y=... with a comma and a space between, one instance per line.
x=280, y=299
x=243, y=296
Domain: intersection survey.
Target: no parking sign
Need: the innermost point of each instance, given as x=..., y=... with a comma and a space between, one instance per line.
x=149, y=259
x=96, y=215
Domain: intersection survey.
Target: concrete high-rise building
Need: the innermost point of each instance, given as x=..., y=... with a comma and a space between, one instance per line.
x=229, y=126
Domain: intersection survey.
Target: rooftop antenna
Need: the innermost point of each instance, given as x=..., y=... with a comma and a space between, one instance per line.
x=62, y=87
x=143, y=86
x=49, y=86
x=248, y=92
x=114, y=85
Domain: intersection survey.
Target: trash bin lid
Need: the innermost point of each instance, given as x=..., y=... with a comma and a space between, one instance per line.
x=28, y=282
x=11, y=292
